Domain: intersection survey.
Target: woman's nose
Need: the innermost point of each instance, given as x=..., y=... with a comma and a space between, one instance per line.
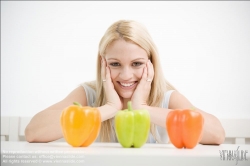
x=126, y=73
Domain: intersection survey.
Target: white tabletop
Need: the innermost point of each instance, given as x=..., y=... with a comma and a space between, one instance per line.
x=59, y=153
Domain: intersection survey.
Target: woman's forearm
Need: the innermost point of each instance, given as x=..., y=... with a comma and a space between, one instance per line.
x=44, y=127
x=158, y=115
x=107, y=112
x=213, y=132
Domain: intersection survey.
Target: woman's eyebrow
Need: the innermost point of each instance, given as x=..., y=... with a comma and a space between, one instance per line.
x=112, y=59
x=139, y=59
x=132, y=60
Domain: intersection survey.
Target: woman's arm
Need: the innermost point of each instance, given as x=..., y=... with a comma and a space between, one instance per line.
x=213, y=132
x=45, y=125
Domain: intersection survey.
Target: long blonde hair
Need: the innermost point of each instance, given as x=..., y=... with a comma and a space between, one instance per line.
x=135, y=32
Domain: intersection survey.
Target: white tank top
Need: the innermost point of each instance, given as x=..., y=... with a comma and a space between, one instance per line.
x=160, y=131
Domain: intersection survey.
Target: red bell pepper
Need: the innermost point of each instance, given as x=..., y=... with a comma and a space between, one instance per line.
x=184, y=128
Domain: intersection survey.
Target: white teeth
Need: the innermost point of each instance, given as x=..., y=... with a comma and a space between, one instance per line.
x=125, y=84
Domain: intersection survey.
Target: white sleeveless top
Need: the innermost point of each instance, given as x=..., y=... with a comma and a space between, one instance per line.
x=160, y=131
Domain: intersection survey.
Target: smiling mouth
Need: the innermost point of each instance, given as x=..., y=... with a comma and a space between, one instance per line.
x=127, y=84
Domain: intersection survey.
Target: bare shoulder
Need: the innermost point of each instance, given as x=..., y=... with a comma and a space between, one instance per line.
x=179, y=101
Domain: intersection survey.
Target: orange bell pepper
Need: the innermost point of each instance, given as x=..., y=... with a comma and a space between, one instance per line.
x=184, y=128
x=80, y=125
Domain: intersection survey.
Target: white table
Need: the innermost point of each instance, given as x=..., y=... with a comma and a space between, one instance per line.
x=109, y=154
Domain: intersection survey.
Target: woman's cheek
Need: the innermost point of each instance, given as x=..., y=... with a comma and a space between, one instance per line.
x=114, y=73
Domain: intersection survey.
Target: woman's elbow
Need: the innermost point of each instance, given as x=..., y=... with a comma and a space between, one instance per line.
x=34, y=135
x=29, y=136
x=219, y=138
x=214, y=138
x=222, y=137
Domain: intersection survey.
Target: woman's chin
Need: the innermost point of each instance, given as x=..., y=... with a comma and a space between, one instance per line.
x=126, y=95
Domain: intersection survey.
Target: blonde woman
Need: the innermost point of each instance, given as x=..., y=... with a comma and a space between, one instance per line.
x=128, y=68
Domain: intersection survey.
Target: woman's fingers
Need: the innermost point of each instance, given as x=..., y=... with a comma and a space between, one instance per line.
x=145, y=73
x=150, y=71
x=103, y=69
x=105, y=72
x=108, y=78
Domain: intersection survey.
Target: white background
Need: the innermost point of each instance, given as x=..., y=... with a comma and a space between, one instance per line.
x=49, y=48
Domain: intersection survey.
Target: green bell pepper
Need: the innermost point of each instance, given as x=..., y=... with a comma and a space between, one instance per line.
x=132, y=127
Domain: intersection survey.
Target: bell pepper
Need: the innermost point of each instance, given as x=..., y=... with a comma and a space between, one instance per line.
x=80, y=125
x=132, y=127
x=184, y=128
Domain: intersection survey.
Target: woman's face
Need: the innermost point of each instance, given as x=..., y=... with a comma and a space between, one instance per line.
x=126, y=61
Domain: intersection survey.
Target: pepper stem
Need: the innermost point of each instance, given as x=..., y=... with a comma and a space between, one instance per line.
x=76, y=103
x=193, y=109
x=129, y=106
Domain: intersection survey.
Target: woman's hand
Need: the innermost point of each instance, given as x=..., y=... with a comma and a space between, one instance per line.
x=112, y=97
x=142, y=91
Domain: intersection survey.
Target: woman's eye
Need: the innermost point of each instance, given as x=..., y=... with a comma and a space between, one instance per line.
x=137, y=64
x=114, y=64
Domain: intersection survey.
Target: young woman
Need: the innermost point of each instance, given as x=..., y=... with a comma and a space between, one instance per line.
x=128, y=68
